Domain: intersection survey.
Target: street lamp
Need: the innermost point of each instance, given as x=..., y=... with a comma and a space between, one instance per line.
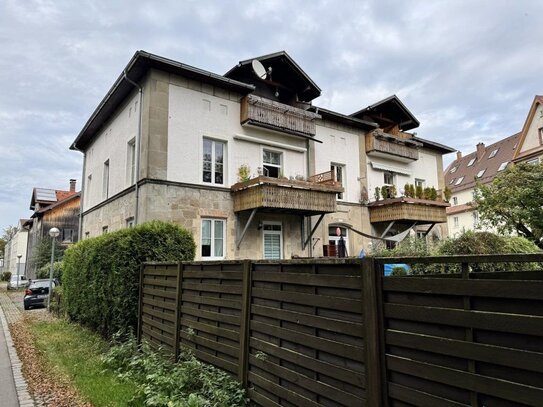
x=53, y=232
x=18, y=268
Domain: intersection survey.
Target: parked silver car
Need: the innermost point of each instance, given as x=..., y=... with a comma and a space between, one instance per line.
x=13, y=283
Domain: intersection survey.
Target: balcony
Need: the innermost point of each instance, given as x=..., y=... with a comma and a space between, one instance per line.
x=261, y=112
x=315, y=196
x=422, y=211
x=390, y=146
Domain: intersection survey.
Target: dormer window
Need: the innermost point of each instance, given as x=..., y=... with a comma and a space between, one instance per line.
x=493, y=153
x=471, y=162
x=459, y=181
x=480, y=173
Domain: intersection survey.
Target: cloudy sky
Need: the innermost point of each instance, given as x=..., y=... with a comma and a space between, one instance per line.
x=468, y=70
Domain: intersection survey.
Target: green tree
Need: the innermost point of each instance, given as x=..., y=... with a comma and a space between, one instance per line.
x=513, y=202
x=42, y=255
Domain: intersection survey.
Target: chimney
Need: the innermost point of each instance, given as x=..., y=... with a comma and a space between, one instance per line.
x=72, y=185
x=458, y=155
x=480, y=150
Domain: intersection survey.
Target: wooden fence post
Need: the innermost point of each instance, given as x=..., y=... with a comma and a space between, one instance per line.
x=140, y=304
x=244, y=323
x=178, y=298
x=376, y=394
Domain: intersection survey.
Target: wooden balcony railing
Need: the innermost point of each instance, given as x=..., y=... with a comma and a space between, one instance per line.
x=258, y=111
x=408, y=209
x=284, y=195
x=379, y=143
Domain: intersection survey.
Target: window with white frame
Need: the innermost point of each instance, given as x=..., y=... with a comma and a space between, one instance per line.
x=388, y=178
x=213, y=161
x=87, y=194
x=455, y=200
x=420, y=182
x=272, y=163
x=480, y=173
x=334, y=239
x=130, y=222
x=131, y=161
x=105, y=180
x=339, y=175
x=453, y=170
x=471, y=162
x=475, y=219
x=541, y=136
x=272, y=236
x=451, y=181
x=212, y=239
x=105, y=229
x=455, y=219
x=493, y=153
x=533, y=161
x=503, y=166
x=459, y=181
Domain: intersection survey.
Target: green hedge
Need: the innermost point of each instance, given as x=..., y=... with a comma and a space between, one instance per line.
x=44, y=271
x=101, y=275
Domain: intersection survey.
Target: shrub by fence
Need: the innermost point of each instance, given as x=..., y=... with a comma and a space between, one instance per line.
x=101, y=275
x=338, y=333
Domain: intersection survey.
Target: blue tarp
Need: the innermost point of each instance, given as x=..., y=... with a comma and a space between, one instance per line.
x=390, y=267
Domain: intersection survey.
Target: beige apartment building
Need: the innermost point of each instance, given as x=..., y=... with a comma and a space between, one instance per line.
x=248, y=163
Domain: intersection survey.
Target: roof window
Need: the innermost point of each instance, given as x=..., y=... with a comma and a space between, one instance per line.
x=480, y=173
x=451, y=181
x=453, y=170
x=471, y=162
x=493, y=153
x=459, y=181
x=503, y=166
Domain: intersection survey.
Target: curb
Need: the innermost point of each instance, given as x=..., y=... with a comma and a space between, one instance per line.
x=25, y=400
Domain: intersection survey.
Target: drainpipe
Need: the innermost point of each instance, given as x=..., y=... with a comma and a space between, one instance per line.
x=81, y=196
x=308, y=228
x=138, y=141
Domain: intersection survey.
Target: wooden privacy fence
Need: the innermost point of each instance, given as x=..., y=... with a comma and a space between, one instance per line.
x=338, y=333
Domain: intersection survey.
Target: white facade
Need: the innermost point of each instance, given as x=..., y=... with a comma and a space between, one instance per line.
x=17, y=245
x=111, y=146
x=534, y=134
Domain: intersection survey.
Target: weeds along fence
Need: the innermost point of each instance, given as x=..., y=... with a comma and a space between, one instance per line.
x=339, y=333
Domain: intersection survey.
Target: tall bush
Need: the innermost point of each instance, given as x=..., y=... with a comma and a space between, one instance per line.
x=101, y=275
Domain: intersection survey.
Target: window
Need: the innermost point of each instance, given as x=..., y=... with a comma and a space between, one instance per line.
x=475, y=219
x=471, y=162
x=420, y=182
x=459, y=181
x=339, y=175
x=67, y=235
x=388, y=178
x=213, y=161
x=334, y=239
x=88, y=189
x=105, y=229
x=272, y=164
x=493, y=153
x=541, y=136
x=455, y=200
x=131, y=161
x=212, y=238
x=453, y=170
x=273, y=240
x=130, y=222
x=451, y=181
x=480, y=173
x=87, y=235
x=534, y=161
x=105, y=180
x=503, y=166
x=455, y=219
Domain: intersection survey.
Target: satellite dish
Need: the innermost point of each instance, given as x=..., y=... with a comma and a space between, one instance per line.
x=259, y=69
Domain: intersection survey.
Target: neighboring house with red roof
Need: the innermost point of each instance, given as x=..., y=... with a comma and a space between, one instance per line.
x=52, y=208
x=485, y=163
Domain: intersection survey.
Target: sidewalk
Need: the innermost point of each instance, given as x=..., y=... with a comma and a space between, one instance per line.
x=13, y=388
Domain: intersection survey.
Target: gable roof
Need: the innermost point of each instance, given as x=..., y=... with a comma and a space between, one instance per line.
x=459, y=168
x=284, y=71
x=392, y=108
x=136, y=69
x=538, y=100
x=46, y=196
x=61, y=202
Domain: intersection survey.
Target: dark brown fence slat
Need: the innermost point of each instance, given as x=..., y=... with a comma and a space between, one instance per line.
x=339, y=373
x=243, y=357
x=322, y=389
x=157, y=324
x=211, y=329
x=213, y=316
x=159, y=313
x=260, y=399
x=477, y=288
x=160, y=303
x=286, y=394
x=485, y=353
x=218, y=302
x=333, y=325
x=158, y=337
x=420, y=398
x=219, y=275
x=318, y=280
x=523, y=324
x=529, y=395
x=169, y=272
x=326, y=345
x=214, y=360
x=323, y=301
x=213, y=288
x=159, y=293
x=210, y=344
x=159, y=282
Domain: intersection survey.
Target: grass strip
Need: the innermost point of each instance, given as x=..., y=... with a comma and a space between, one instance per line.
x=75, y=353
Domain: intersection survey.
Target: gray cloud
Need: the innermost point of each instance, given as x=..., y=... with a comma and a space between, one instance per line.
x=468, y=70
